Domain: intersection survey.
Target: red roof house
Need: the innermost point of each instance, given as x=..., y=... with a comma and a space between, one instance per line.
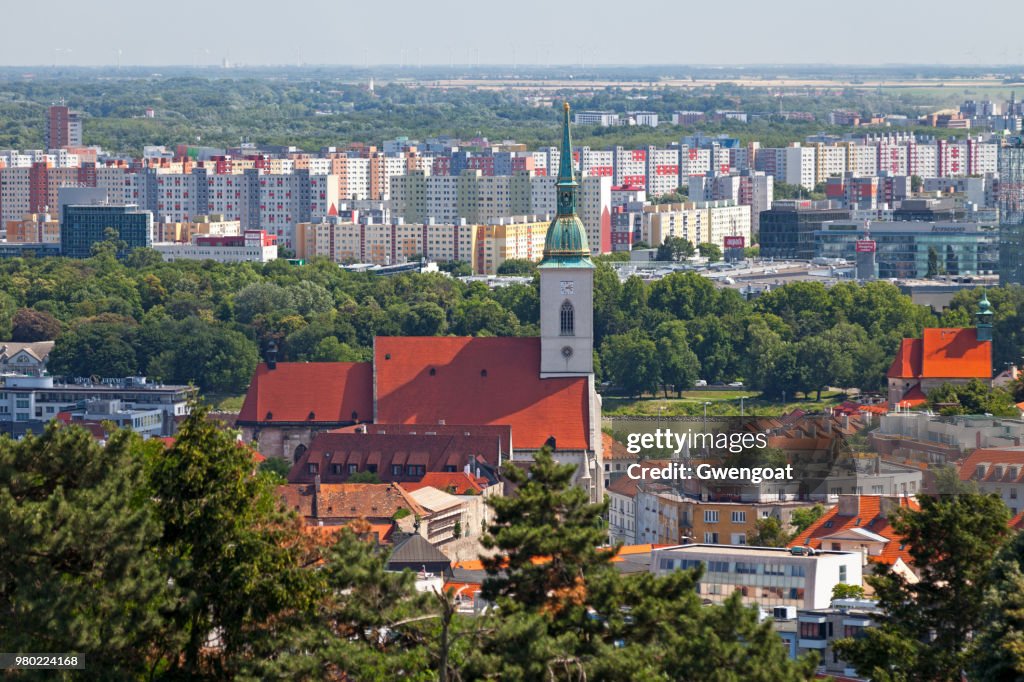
x=858, y=523
x=941, y=355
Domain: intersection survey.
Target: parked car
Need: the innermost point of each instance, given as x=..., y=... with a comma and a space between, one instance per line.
x=700, y=383
x=736, y=384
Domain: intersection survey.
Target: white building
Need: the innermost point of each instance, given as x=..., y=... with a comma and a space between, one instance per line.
x=253, y=246
x=766, y=576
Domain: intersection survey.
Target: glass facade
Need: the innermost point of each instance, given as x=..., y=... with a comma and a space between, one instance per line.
x=904, y=250
x=83, y=226
x=766, y=583
x=789, y=233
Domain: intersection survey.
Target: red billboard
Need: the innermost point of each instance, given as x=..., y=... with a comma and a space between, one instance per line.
x=734, y=242
x=865, y=246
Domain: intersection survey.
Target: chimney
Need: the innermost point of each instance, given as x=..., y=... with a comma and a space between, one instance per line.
x=316, y=495
x=272, y=355
x=887, y=505
x=849, y=505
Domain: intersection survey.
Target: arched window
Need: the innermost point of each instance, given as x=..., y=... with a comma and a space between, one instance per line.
x=568, y=318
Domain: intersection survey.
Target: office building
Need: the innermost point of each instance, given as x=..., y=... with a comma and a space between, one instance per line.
x=915, y=249
x=84, y=226
x=787, y=229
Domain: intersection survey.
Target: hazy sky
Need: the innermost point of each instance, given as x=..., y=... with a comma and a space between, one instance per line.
x=90, y=32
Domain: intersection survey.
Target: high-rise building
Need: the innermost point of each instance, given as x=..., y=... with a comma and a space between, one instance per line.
x=63, y=127
x=83, y=226
x=1011, y=212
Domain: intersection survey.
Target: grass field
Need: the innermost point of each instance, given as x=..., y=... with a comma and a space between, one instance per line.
x=723, y=403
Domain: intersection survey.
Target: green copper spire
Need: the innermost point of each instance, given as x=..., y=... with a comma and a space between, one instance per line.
x=566, y=241
x=983, y=318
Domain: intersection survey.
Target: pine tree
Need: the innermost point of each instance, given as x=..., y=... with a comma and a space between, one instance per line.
x=231, y=554
x=77, y=573
x=368, y=623
x=926, y=626
x=565, y=612
x=997, y=652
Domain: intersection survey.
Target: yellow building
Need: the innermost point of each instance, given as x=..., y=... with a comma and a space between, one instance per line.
x=182, y=233
x=519, y=237
x=34, y=228
x=384, y=244
x=697, y=222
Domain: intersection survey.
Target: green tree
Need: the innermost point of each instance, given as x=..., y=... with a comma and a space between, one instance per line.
x=675, y=248
x=277, y=466
x=77, y=570
x=713, y=252
x=565, y=613
x=631, y=362
x=517, y=266
x=363, y=477
x=844, y=591
x=679, y=365
x=801, y=519
x=769, y=534
x=424, y=319
x=365, y=622
x=926, y=626
x=95, y=349
x=997, y=651
x=227, y=546
x=934, y=267
x=974, y=397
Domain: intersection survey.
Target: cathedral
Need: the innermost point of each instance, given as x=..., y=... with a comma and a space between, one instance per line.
x=541, y=390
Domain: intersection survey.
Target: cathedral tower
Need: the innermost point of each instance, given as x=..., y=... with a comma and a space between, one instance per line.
x=566, y=281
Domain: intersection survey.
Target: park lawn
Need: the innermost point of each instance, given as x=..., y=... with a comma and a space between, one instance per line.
x=723, y=403
x=225, y=402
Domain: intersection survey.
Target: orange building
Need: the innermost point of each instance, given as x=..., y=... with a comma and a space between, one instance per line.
x=941, y=356
x=34, y=228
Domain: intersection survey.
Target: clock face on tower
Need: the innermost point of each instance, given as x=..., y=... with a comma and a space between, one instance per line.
x=568, y=288
x=565, y=197
x=566, y=352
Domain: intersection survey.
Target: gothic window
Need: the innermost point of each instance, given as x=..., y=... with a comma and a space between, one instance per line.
x=568, y=318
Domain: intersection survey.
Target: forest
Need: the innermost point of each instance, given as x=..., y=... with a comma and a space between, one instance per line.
x=113, y=318
x=310, y=111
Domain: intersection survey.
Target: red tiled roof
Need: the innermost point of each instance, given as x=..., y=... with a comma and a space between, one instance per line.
x=612, y=449
x=868, y=518
x=942, y=353
x=914, y=397
x=465, y=380
x=502, y=434
x=461, y=482
x=1006, y=457
x=333, y=453
x=1017, y=522
x=338, y=501
x=310, y=392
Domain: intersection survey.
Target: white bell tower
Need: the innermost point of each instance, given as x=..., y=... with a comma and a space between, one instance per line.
x=566, y=282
